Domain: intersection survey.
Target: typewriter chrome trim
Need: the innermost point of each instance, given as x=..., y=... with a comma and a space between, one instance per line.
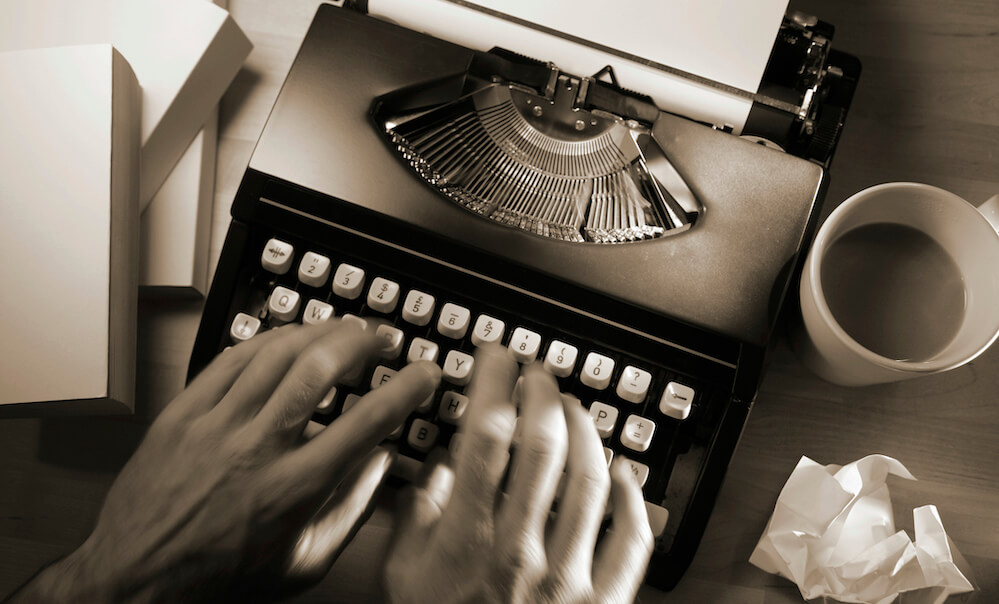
x=529, y=146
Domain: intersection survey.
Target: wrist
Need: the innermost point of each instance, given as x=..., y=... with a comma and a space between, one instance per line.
x=74, y=578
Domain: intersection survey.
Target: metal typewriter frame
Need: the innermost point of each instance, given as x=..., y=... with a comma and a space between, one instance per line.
x=300, y=186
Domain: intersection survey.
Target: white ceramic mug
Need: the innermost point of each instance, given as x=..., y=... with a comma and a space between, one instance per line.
x=968, y=234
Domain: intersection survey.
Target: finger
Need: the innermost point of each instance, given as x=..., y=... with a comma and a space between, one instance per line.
x=333, y=527
x=624, y=554
x=266, y=369
x=485, y=447
x=311, y=430
x=570, y=548
x=322, y=460
x=320, y=366
x=538, y=459
x=420, y=509
x=208, y=388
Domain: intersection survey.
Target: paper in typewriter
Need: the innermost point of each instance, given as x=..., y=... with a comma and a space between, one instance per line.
x=725, y=41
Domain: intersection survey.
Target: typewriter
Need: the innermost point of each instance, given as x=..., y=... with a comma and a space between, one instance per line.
x=467, y=195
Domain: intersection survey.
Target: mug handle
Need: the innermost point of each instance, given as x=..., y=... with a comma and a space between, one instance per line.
x=990, y=209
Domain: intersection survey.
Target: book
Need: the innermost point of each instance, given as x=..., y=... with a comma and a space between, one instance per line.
x=69, y=181
x=175, y=228
x=184, y=53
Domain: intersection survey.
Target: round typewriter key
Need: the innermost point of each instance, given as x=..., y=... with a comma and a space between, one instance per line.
x=524, y=345
x=487, y=329
x=418, y=308
x=421, y=349
x=244, y=327
x=383, y=295
x=633, y=384
x=393, y=337
x=316, y=311
x=314, y=269
x=348, y=281
x=277, y=256
x=453, y=321
x=597, y=370
x=676, y=400
x=283, y=303
x=604, y=417
x=561, y=358
x=637, y=433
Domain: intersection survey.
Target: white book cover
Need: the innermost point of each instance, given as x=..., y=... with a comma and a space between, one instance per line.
x=69, y=156
x=183, y=52
x=175, y=228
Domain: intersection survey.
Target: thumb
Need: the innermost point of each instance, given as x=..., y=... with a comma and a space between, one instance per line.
x=332, y=528
x=420, y=508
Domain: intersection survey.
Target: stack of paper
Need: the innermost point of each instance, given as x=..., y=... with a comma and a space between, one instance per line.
x=175, y=228
x=726, y=42
x=73, y=347
x=69, y=158
x=184, y=53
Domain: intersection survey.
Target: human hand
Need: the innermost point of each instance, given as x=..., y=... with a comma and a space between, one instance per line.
x=214, y=501
x=459, y=538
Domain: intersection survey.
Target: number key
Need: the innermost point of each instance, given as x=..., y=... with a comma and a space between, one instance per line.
x=597, y=370
x=487, y=329
x=348, y=281
x=314, y=269
x=524, y=345
x=418, y=308
x=453, y=321
x=561, y=358
x=383, y=295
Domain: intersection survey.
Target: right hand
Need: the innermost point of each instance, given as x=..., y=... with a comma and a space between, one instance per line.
x=460, y=538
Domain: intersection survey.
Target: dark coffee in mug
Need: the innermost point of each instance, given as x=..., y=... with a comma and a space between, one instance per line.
x=894, y=290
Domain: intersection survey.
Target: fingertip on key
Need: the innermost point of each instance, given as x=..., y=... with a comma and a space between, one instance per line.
x=432, y=370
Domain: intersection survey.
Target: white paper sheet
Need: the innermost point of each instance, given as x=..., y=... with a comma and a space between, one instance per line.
x=725, y=41
x=728, y=41
x=833, y=533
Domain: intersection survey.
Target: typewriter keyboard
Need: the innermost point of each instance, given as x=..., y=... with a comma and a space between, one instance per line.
x=637, y=407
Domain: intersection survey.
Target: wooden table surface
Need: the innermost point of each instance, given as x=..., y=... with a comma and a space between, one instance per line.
x=927, y=109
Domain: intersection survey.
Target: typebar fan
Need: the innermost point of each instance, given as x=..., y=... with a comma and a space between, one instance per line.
x=560, y=156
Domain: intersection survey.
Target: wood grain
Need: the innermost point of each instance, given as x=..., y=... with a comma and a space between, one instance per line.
x=927, y=110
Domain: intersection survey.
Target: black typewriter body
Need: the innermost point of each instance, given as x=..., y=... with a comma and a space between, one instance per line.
x=697, y=309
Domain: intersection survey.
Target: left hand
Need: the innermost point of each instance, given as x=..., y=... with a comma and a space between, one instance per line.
x=216, y=500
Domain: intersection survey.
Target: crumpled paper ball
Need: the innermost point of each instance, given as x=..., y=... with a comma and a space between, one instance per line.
x=833, y=534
